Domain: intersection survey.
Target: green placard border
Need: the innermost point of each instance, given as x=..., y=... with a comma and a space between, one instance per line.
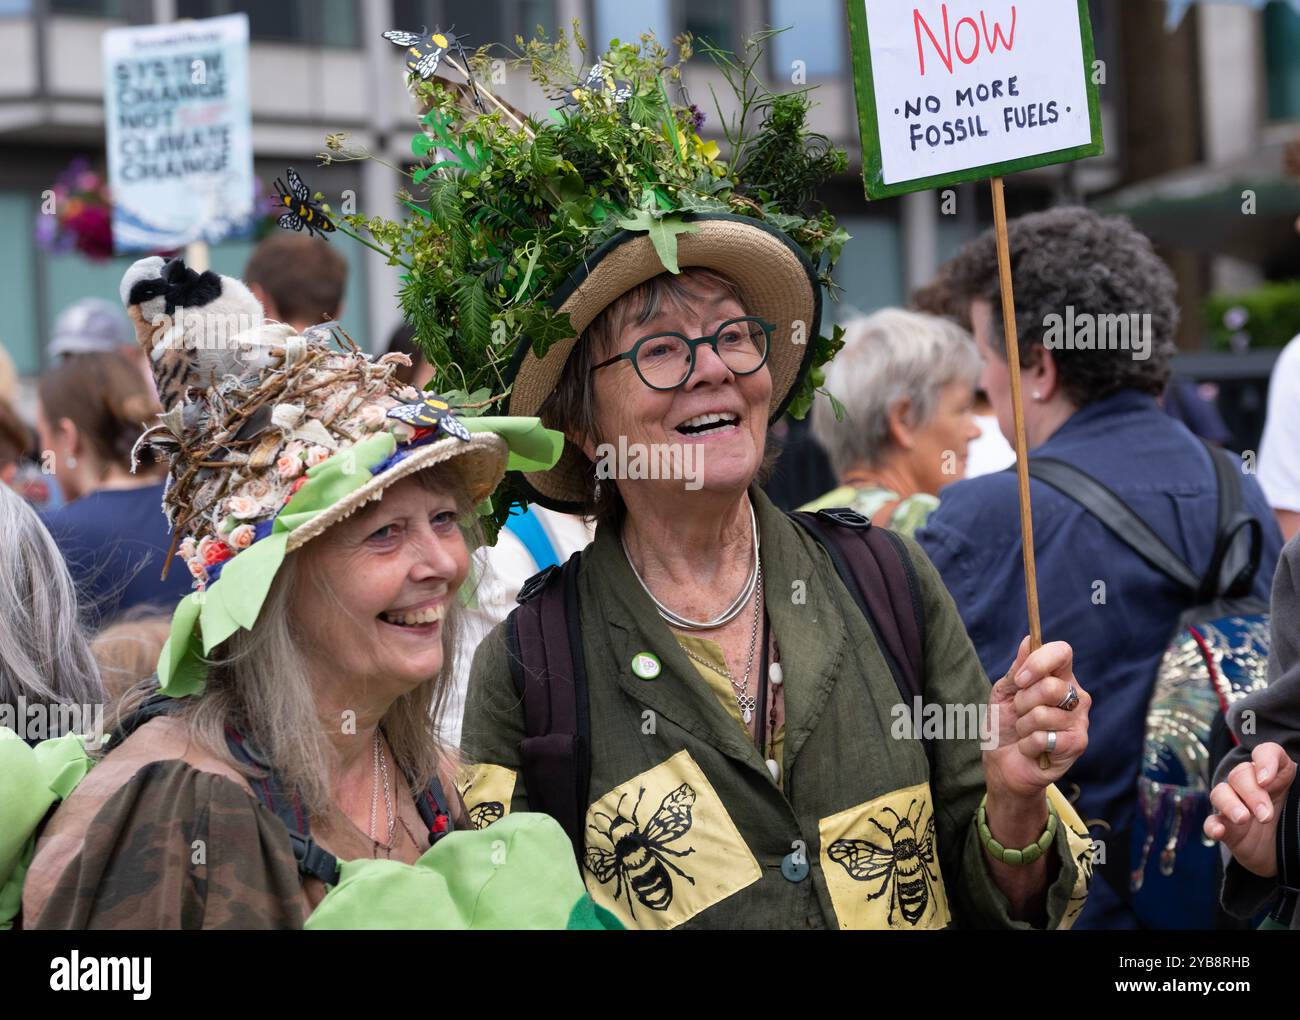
x=869, y=127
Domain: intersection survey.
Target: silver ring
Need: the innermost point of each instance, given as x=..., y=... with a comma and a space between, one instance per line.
x=1070, y=700
x=1051, y=741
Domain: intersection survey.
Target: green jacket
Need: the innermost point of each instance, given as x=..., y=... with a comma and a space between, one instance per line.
x=861, y=836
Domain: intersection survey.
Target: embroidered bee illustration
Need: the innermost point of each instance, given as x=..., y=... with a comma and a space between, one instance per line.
x=903, y=867
x=638, y=856
x=598, y=78
x=483, y=815
x=303, y=212
x=426, y=49
x=432, y=412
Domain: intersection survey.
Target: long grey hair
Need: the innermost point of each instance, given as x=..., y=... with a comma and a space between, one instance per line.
x=45, y=656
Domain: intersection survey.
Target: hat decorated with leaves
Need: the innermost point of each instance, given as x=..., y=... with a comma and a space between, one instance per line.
x=522, y=229
x=272, y=437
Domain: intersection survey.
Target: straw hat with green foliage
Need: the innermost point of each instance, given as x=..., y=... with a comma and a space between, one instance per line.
x=523, y=229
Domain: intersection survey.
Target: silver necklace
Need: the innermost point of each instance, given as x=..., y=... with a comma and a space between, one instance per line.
x=381, y=765
x=728, y=614
x=745, y=701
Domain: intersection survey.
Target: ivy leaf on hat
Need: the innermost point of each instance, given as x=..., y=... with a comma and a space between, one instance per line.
x=662, y=227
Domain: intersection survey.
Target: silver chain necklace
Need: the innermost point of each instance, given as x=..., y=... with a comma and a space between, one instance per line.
x=745, y=701
x=381, y=765
x=728, y=614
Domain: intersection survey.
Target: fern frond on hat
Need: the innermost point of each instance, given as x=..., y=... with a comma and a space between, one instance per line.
x=522, y=230
x=273, y=437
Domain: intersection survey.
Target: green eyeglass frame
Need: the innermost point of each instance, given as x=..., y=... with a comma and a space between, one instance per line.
x=692, y=346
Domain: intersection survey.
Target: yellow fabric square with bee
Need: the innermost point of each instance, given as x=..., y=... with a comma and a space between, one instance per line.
x=486, y=791
x=881, y=864
x=661, y=847
x=1080, y=841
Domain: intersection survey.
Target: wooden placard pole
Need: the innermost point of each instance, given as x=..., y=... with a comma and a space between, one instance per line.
x=1012, y=336
x=196, y=256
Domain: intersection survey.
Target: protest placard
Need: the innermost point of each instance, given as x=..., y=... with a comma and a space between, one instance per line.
x=950, y=91
x=964, y=90
x=179, y=133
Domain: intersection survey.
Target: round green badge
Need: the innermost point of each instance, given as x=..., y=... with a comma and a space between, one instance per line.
x=646, y=665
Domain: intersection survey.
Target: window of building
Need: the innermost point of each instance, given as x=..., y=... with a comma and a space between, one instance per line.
x=711, y=21
x=815, y=35
x=92, y=8
x=870, y=268
x=304, y=22
x=1282, y=61
x=478, y=23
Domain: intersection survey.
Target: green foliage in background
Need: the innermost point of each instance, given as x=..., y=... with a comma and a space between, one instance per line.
x=1268, y=315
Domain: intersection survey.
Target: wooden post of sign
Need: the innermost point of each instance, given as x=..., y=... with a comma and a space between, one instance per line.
x=196, y=256
x=1012, y=335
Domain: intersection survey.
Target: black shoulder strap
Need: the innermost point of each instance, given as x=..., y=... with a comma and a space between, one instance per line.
x=153, y=706
x=1288, y=858
x=550, y=674
x=312, y=859
x=432, y=805
x=875, y=568
x=1116, y=515
x=1227, y=572
x=1232, y=568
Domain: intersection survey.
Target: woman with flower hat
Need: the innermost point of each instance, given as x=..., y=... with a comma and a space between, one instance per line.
x=286, y=757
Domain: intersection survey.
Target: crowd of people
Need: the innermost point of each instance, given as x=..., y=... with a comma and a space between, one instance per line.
x=696, y=687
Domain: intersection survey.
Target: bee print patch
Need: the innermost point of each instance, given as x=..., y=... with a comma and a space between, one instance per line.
x=661, y=847
x=1080, y=841
x=882, y=865
x=486, y=791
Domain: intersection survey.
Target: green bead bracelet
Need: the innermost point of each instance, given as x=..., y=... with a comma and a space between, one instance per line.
x=1016, y=858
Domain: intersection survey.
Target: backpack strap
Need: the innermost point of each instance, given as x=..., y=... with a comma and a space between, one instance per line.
x=432, y=805
x=1117, y=516
x=874, y=565
x=549, y=670
x=312, y=859
x=1231, y=574
x=1288, y=858
x=153, y=706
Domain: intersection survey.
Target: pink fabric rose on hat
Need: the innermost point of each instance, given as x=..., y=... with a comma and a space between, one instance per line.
x=289, y=465
x=243, y=507
x=188, y=548
x=318, y=455
x=198, y=570
x=373, y=417
x=241, y=537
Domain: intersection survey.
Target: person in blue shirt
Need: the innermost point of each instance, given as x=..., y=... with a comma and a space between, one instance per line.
x=1091, y=395
x=112, y=531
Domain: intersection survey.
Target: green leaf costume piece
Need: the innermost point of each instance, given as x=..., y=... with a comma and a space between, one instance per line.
x=518, y=872
x=32, y=779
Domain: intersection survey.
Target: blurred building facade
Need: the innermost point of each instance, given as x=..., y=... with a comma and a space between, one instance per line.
x=1188, y=116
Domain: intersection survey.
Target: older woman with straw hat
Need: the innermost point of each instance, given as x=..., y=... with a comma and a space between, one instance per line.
x=284, y=767
x=699, y=696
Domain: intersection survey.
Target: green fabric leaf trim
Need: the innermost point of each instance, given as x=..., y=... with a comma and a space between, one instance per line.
x=205, y=619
